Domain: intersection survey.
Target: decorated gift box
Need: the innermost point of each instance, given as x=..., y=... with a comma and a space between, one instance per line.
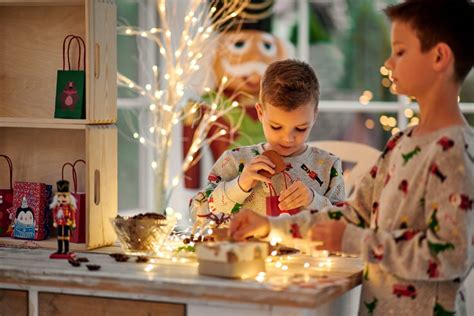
x=231, y=259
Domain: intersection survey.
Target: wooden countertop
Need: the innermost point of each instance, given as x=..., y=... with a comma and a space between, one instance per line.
x=180, y=281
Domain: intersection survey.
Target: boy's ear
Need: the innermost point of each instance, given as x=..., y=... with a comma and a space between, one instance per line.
x=443, y=57
x=259, y=108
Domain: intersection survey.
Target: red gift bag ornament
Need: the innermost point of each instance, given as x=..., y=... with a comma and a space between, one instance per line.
x=6, y=201
x=272, y=200
x=78, y=235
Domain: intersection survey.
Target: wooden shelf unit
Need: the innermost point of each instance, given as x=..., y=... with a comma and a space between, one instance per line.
x=31, y=37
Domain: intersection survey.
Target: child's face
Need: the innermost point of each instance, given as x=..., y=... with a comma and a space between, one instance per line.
x=411, y=70
x=286, y=131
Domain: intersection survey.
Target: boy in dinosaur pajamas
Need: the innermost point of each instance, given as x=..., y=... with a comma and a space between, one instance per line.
x=411, y=217
x=287, y=110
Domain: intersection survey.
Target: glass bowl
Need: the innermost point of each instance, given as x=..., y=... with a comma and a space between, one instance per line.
x=141, y=235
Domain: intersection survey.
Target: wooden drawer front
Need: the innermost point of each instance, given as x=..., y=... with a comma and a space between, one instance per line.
x=52, y=304
x=13, y=302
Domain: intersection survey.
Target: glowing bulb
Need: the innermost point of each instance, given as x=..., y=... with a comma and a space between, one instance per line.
x=284, y=268
x=167, y=77
x=128, y=31
x=223, y=132
x=278, y=264
x=213, y=118
x=142, y=140
x=152, y=107
x=200, y=29
x=131, y=85
x=306, y=265
x=154, y=165
x=135, y=135
x=408, y=113
x=224, y=79
x=162, y=51
x=168, y=33
x=143, y=34
x=155, y=68
x=235, y=104
x=148, y=87
x=154, y=30
x=152, y=130
x=148, y=268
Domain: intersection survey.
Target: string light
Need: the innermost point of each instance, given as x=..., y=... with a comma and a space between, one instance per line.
x=180, y=53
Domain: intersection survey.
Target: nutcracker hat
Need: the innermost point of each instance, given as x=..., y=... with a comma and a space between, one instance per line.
x=257, y=15
x=63, y=186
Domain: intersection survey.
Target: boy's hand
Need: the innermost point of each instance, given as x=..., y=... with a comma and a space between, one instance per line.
x=330, y=233
x=247, y=223
x=249, y=176
x=296, y=195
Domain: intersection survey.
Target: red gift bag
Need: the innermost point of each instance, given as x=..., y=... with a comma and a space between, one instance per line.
x=6, y=201
x=78, y=235
x=272, y=200
x=29, y=203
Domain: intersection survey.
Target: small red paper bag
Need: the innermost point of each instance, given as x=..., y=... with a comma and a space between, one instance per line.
x=29, y=204
x=78, y=234
x=6, y=201
x=272, y=200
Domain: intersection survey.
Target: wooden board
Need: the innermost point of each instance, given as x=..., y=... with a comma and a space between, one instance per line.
x=13, y=302
x=176, y=280
x=102, y=184
x=39, y=154
x=31, y=39
x=72, y=305
x=102, y=76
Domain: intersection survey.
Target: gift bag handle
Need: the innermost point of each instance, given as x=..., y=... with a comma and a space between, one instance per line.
x=74, y=172
x=74, y=175
x=10, y=166
x=68, y=39
x=272, y=190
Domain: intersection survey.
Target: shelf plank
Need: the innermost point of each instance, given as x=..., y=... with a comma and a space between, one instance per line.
x=50, y=243
x=42, y=123
x=40, y=2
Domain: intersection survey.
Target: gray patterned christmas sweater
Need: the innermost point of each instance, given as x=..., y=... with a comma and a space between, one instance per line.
x=412, y=222
x=318, y=169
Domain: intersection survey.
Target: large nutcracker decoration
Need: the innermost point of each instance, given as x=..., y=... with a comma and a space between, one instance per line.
x=64, y=209
x=242, y=54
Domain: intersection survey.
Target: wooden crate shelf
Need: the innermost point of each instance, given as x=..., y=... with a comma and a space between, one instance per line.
x=39, y=153
x=31, y=38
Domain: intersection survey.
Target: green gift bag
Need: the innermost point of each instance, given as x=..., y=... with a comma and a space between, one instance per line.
x=70, y=85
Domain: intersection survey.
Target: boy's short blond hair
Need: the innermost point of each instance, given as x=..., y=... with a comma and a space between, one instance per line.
x=441, y=21
x=289, y=84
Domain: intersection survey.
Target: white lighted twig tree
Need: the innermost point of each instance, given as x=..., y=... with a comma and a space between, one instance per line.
x=181, y=49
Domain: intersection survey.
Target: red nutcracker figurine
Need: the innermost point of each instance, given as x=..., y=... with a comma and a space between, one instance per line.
x=64, y=208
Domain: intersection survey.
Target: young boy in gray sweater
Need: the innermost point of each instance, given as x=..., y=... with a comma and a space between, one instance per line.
x=313, y=178
x=411, y=217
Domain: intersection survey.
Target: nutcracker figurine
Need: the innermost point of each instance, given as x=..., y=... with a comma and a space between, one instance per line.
x=64, y=209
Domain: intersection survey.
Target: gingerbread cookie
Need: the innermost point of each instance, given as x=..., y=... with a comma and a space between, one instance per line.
x=277, y=160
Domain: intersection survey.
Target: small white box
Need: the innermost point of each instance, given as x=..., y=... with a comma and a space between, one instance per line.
x=231, y=259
